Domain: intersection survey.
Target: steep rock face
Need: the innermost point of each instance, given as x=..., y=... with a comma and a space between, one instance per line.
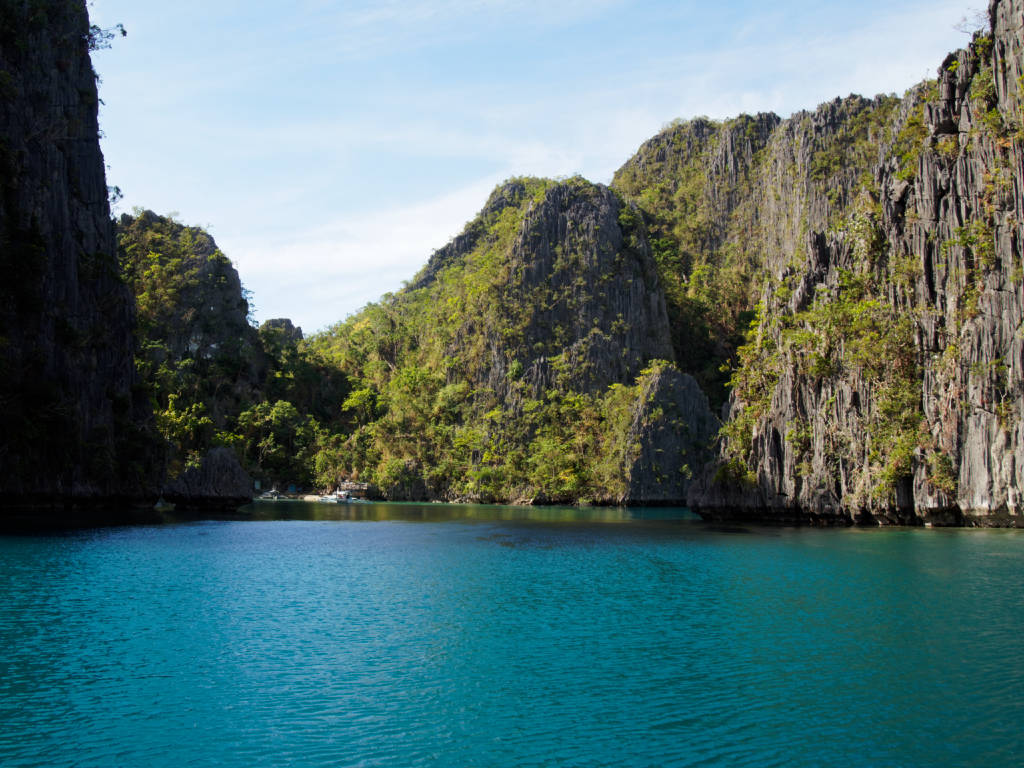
x=509, y=195
x=193, y=316
x=971, y=286
x=570, y=276
x=70, y=419
x=883, y=382
x=217, y=480
x=207, y=369
x=694, y=176
x=728, y=204
x=750, y=191
x=283, y=327
x=563, y=290
x=587, y=291
x=689, y=182
x=508, y=371
x=813, y=166
x=671, y=430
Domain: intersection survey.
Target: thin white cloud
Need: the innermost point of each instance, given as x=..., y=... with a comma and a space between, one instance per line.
x=413, y=13
x=321, y=275
x=276, y=174
x=371, y=29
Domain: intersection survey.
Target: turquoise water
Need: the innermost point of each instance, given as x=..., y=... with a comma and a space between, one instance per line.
x=416, y=635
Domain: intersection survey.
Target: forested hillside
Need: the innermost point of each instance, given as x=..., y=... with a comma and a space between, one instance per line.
x=213, y=379
x=523, y=363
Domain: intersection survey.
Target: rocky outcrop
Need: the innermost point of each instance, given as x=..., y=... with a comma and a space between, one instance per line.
x=969, y=237
x=282, y=327
x=575, y=297
x=72, y=423
x=728, y=203
x=585, y=288
x=508, y=195
x=218, y=481
x=193, y=317
x=508, y=370
x=883, y=383
x=671, y=430
x=698, y=174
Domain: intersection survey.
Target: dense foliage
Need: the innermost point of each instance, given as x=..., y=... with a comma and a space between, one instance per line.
x=447, y=401
x=701, y=186
x=212, y=377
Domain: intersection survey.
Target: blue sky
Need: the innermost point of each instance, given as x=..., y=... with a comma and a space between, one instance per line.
x=330, y=147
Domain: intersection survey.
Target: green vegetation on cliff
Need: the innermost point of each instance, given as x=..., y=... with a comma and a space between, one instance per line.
x=801, y=274
x=508, y=369
x=721, y=199
x=881, y=355
x=212, y=377
x=844, y=286
x=687, y=203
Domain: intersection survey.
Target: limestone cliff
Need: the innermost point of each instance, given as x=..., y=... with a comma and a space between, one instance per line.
x=729, y=203
x=844, y=286
x=882, y=380
x=576, y=282
x=670, y=431
x=69, y=414
x=193, y=315
x=508, y=370
x=76, y=424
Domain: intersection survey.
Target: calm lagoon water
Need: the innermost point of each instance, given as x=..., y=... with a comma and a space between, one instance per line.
x=406, y=635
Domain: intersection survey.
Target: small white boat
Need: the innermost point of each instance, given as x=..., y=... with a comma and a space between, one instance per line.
x=338, y=497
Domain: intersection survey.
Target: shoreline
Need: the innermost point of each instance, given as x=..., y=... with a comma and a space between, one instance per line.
x=52, y=513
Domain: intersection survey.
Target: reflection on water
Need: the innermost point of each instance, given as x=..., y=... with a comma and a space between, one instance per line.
x=436, y=513
x=358, y=511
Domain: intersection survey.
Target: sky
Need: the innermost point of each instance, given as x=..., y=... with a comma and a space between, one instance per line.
x=330, y=147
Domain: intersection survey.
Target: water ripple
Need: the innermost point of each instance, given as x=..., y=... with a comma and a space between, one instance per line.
x=509, y=642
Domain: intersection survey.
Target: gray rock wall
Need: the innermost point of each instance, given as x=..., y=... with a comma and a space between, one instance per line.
x=968, y=234
x=940, y=243
x=70, y=417
x=672, y=429
x=574, y=285
x=590, y=290
x=219, y=479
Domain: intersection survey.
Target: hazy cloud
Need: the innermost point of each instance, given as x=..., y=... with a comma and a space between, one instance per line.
x=331, y=269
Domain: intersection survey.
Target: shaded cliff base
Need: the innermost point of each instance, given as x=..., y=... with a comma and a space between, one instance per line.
x=217, y=485
x=54, y=514
x=951, y=517
x=51, y=514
